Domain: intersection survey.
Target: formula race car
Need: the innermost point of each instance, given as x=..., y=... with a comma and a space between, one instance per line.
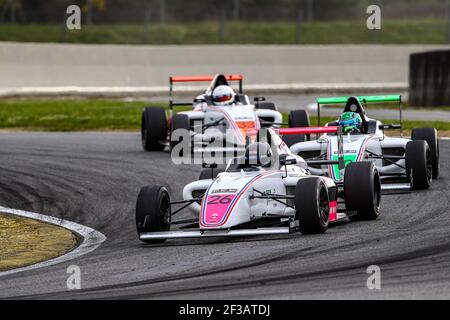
x=218, y=116
x=403, y=164
x=267, y=191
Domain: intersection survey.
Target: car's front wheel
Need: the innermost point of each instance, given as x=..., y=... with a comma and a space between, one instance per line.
x=153, y=212
x=312, y=205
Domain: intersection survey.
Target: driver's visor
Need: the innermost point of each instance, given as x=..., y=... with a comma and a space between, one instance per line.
x=223, y=98
x=348, y=122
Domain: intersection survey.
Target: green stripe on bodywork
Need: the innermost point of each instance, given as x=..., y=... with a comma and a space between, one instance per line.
x=348, y=158
x=368, y=99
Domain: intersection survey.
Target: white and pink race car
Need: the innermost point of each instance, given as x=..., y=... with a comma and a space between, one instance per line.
x=268, y=191
x=211, y=125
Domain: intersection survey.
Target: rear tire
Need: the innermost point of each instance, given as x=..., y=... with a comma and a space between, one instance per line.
x=266, y=106
x=312, y=205
x=431, y=137
x=362, y=190
x=419, y=167
x=206, y=174
x=153, y=211
x=179, y=121
x=297, y=119
x=153, y=129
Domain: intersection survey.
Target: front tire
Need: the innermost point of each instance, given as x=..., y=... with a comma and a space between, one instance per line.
x=362, y=190
x=312, y=205
x=419, y=167
x=153, y=129
x=153, y=211
x=431, y=137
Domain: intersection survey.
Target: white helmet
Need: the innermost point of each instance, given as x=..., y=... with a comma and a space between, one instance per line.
x=223, y=95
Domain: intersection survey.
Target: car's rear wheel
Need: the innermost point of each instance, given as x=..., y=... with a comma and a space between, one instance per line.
x=208, y=174
x=297, y=119
x=180, y=122
x=431, y=137
x=419, y=164
x=312, y=205
x=266, y=106
x=153, y=129
x=153, y=212
x=362, y=190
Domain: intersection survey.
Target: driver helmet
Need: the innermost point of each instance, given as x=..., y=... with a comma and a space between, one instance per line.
x=350, y=122
x=223, y=95
x=258, y=153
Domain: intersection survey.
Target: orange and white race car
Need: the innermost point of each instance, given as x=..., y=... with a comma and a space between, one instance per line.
x=220, y=118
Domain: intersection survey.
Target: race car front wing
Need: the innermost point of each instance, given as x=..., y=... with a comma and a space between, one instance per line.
x=215, y=233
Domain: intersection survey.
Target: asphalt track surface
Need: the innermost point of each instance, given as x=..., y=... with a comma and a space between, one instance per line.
x=94, y=179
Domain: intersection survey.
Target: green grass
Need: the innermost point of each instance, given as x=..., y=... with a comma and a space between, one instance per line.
x=423, y=31
x=70, y=115
x=105, y=115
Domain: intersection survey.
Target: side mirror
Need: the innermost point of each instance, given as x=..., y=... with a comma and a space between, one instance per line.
x=199, y=100
x=389, y=126
x=285, y=161
x=259, y=99
x=209, y=165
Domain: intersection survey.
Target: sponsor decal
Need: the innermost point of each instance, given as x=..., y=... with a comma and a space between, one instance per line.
x=333, y=211
x=224, y=191
x=217, y=206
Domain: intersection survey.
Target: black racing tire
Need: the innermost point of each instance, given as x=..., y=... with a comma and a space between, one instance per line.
x=179, y=121
x=266, y=106
x=430, y=135
x=153, y=129
x=208, y=174
x=153, y=211
x=419, y=167
x=362, y=190
x=297, y=119
x=312, y=205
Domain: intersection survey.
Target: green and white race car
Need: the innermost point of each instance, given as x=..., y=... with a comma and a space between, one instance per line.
x=402, y=163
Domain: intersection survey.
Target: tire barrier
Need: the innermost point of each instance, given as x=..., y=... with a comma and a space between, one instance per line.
x=429, y=80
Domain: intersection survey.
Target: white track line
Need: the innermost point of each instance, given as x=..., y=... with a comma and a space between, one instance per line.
x=92, y=239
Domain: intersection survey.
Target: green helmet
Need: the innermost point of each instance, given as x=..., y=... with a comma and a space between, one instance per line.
x=350, y=122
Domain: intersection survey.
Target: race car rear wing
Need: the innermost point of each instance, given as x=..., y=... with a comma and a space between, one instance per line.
x=364, y=100
x=320, y=130
x=202, y=78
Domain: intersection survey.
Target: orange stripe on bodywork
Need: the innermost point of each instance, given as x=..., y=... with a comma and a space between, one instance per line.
x=248, y=128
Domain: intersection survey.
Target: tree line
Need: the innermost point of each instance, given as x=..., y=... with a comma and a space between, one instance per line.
x=182, y=11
